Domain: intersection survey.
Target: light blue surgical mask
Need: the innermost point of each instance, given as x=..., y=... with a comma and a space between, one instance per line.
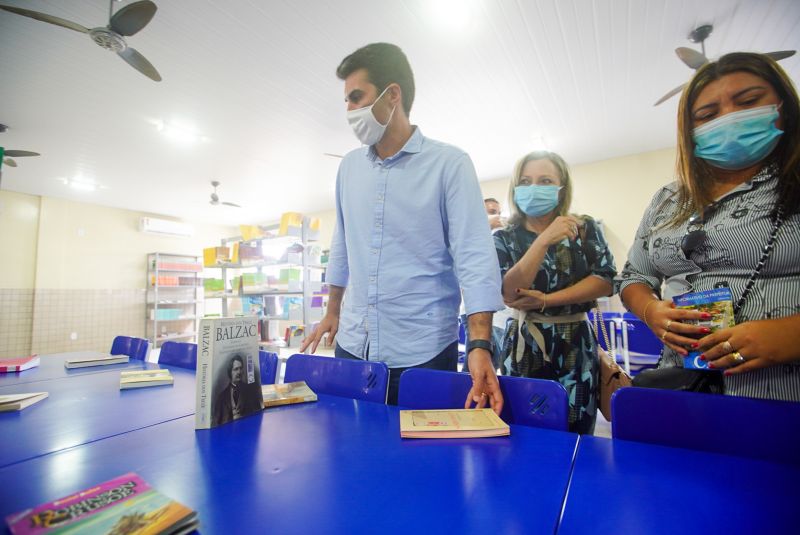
x=536, y=200
x=739, y=139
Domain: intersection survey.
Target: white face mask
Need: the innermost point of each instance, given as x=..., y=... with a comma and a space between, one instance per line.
x=364, y=124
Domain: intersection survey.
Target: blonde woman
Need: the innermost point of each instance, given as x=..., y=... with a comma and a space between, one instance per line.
x=731, y=219
x=554, y=266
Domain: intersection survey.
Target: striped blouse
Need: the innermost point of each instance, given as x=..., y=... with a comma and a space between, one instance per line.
x=737, y=226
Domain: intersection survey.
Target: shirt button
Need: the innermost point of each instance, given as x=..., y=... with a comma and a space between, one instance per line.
x=374, y=251
x=372, y=279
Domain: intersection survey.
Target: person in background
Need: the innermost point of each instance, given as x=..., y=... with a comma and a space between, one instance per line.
x=410, y=230
x=554, y=267
x=731, y=219
x=492, y=206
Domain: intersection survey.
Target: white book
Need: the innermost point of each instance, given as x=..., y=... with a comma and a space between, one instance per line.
x=17, y=402
x=228, y=374
x=96, y=361
x=144, y=378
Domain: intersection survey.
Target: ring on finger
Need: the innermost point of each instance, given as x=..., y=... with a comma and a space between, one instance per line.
x=666, y=327
x=738, y=358
x=664, y=335
x=727, y=345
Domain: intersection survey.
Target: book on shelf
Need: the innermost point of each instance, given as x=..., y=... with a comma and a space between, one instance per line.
x=452, y=423
x=104, y=360
x=228, y=374
x=126, y=504
x=144, y=378
x=18, y=364
x=287, y=393
x=17, y=402
x=718, y=303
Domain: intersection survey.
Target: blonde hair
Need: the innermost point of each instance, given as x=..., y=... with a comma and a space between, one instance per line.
x=695, y=176
x=565, y=197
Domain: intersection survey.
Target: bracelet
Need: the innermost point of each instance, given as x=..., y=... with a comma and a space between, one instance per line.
x=544, y=303
x=644, y=314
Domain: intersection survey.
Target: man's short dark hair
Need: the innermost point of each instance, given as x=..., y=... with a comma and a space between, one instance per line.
x=491, y=199
x=385, y=64
x=230, y=364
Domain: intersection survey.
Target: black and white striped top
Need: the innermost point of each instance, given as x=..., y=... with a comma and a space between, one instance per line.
x=737, y=227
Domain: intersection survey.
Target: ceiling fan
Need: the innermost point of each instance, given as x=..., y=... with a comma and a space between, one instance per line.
x=127, y=21
x=694, y=59
x=215, y=198
x=5, y=156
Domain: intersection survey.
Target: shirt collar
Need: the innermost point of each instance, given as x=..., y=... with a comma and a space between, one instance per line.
x=412, y=146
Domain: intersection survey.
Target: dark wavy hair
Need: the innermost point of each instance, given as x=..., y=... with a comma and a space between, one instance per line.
x=695, y=175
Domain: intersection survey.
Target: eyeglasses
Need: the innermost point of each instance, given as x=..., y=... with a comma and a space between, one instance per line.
x=695, y=238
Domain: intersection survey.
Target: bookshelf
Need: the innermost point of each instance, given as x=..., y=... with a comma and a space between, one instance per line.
x=173, y=304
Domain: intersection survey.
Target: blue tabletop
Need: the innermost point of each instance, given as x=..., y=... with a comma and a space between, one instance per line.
x=88, y=407
x=52, y=367
x=334, y=466
x=630, y=487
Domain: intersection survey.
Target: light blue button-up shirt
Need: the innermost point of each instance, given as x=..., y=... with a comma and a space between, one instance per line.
x=410, y=230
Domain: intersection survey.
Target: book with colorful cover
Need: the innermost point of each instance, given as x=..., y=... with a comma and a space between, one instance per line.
x=17, y=402
x=452, y=423
x=18, y=364
x=144, y=378
x=124, y=505
x=719, y=304
x=228, y=374
x=287, y=393
x=103, y=360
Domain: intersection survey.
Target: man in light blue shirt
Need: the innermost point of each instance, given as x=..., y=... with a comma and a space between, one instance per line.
x=411, y=236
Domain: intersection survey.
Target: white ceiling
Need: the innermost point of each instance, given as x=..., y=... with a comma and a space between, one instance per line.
x=495, y=77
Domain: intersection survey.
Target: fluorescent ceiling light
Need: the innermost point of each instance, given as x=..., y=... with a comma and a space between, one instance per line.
x=180, y=133
x=454, y=15
x=81, y=183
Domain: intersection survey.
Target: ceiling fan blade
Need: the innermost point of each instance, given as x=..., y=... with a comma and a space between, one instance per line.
x=9, y=162
x=781, y=54
x=212, y=202
x=670, y=94
x=19, y=153
x=332, y=155
x=44, y=17
x=133, y=17
x=691, y=57
x=214, y=198
x=231, y=204
x=140, y=63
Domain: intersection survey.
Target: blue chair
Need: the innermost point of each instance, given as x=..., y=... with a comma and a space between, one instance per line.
x=531, y=402
x=746, y=427
x=181, y=354
x=356, y=379
x=268, y=363
x=135, y=348
x=642, y=347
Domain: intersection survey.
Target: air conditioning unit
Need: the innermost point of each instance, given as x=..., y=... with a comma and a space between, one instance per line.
x=165, y=227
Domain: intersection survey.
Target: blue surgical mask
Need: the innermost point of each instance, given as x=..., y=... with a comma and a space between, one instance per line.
x=536, y=200
x=739, y=139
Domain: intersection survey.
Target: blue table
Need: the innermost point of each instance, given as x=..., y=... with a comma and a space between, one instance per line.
x=88, y=407
x=334, y=466
x=52, y=367
x=620, y=486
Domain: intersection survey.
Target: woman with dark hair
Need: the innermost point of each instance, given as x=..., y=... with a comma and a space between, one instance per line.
x=554, y=266
x=730, y=220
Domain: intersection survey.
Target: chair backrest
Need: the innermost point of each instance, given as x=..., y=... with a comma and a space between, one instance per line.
x=268, y=362
x=180, y=354
x=356, y=379
x=531, y=402
x=640, y=338
x=746, y=427
x=135, y=348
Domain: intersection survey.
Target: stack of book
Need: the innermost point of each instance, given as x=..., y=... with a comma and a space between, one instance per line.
x=17, y=402
x=287, y=393
x=144, y=378
x=452, y=423
x=101, y=360
x=123, y=505
x=18, y=365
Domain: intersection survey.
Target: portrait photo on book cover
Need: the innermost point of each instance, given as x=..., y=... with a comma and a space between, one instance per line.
x=237, y=382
